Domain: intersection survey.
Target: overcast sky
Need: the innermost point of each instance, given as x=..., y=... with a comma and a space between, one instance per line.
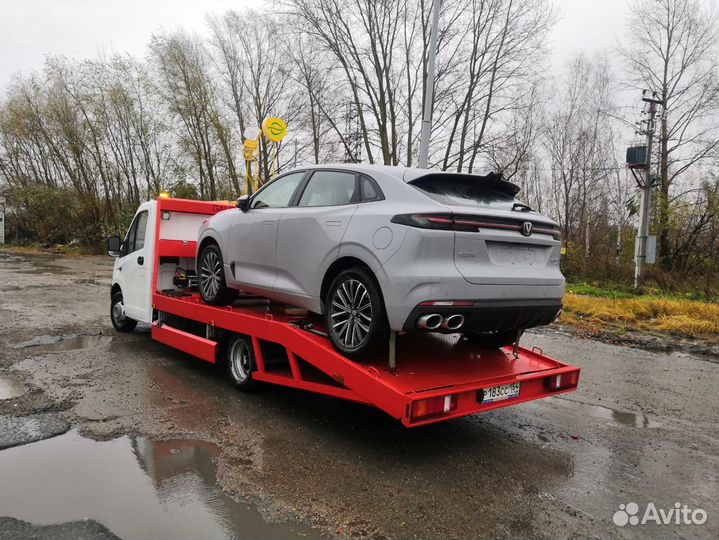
x=30, y=29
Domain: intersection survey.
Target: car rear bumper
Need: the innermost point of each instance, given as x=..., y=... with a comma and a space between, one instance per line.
x=492, y=315
x=423, y=270
x=494, y=307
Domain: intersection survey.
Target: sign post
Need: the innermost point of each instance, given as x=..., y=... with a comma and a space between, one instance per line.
x=250, y=146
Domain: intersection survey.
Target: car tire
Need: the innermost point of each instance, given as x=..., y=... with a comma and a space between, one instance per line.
x=211, y=278
x=494, y=340
x=120, y=321
x=354, y=298
x=239, y=361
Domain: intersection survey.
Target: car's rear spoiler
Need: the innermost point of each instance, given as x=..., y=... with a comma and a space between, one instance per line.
x=492, y=180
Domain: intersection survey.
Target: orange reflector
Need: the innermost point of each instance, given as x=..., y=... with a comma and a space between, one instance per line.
x=434, y=406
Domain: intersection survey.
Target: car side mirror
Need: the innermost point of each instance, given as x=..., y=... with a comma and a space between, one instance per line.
x=243, y=203
x=114, y=246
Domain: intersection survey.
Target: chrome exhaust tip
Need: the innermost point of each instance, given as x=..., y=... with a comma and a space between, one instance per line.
x=453, y=322
x=431, y=321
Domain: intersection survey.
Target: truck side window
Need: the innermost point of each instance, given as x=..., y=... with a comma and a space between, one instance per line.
x=136, y=234
x=140, y=231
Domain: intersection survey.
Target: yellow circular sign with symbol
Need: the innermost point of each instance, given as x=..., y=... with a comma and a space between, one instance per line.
x=274, y=129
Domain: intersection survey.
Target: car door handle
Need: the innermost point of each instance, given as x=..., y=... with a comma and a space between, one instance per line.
x=268, y=222
x=141, y=260
x=333, y=223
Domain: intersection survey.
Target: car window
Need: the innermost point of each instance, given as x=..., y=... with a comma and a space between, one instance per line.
x=278, y=193
x=463, y=191
x=369, y=191
x=329, y=188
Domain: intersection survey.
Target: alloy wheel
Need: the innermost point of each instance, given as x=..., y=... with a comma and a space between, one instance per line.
x=211, y=274
x=351, y=313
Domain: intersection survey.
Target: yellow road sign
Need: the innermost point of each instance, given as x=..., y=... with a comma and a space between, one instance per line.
x=274, y=129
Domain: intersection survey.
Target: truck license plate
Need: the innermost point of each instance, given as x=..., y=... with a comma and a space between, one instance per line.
x=499, y=393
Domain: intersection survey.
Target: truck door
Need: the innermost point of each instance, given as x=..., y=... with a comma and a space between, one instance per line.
x=136, y=269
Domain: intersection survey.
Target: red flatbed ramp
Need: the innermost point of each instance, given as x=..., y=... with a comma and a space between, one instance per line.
x=438, y=377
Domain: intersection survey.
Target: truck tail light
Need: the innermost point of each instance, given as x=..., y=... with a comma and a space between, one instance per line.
x=559, y=382
x=433, y=406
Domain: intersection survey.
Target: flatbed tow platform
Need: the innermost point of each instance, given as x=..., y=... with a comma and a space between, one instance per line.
x=435, y=377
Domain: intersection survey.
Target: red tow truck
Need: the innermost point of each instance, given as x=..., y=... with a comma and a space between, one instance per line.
x=423, y=378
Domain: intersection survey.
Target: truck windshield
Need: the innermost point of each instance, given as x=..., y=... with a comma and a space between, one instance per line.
x=463, y=191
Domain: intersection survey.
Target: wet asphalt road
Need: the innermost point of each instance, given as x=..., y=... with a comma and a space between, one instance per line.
x=145, y=424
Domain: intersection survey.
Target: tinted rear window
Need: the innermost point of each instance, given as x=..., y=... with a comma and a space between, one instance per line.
x=463, y=192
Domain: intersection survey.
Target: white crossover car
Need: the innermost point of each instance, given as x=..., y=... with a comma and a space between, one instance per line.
x=376, y=248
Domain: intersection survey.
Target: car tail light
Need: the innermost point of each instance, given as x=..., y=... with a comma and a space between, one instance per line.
x=559, y=382
x=445, y=222
x=433, y=406
x=469, y=223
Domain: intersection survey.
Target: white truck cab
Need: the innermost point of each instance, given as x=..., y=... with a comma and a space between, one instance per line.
x=131, y=294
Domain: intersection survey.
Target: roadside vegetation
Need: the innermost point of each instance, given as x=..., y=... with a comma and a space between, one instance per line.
x=617, y=310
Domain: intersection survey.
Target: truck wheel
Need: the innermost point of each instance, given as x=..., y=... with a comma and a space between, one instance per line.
x=493, y=340
x=211, y=278
x=120, y=321
x=354, y=314
x=239, y=359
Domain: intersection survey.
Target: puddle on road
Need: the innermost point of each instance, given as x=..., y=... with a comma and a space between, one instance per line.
x=136, y=487
x=38, y=264
x=625, y=418
x=63, y=343
x=10, y=387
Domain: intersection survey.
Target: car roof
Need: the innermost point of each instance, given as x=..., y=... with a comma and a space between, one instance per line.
x=366, y=168
x=400, y=172
x=409, y=174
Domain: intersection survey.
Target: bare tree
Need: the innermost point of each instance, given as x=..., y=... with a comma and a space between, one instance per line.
x=181, y=62
x=674, y=52
x=257, y=74
x=577, y=138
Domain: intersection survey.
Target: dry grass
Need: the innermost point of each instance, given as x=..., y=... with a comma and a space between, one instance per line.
x=677, y=316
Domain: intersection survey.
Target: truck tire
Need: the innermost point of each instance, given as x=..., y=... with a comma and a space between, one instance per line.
x=211, y=278
x=120, y=321
x=354, y=314
x=494, y=340
x=239, y=361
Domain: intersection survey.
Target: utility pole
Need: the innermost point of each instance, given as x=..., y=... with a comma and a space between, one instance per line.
x=2, y=219
x=429, y=88
x=646, y=245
